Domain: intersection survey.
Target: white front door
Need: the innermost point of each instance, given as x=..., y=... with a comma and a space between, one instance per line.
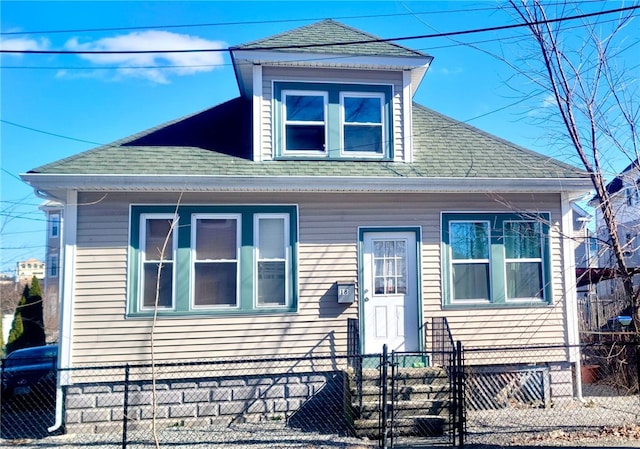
x=390, y=292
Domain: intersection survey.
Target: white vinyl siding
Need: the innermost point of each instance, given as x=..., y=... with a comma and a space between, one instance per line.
x=327, y=253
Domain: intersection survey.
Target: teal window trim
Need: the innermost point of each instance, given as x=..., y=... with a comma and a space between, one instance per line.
x=183, y=258
x=334, y=147
x=497, y=287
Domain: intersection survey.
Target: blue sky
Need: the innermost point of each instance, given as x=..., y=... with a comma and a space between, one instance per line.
x=54, y=106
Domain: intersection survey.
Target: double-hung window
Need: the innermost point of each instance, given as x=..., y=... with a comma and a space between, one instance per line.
x=212, y=260
x=362, y=127
x=157, y=260
x=304, y=121
x=215, y=251
x=523, y=243
x=332, y=121
x=54, y=225
x=53, y=265
x=271, y=260
x=470, y=260
x=496, y=259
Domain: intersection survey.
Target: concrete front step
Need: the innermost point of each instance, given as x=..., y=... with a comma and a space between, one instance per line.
x=420, y=404
x=405, y=409
x=419, y=425
x=419, y=392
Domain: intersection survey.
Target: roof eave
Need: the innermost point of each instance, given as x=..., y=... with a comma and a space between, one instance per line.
x=244, y=60
x=56, y=184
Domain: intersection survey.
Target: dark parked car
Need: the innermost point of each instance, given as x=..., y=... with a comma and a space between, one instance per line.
x=30, y=372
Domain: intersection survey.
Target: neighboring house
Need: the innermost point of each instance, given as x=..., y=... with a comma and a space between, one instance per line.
x=53, y=257
x=586, y=249
x=321, y=172
x=625, y=196
x=27, y=269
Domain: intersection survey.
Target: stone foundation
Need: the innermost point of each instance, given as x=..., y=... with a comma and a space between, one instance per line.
x=315, y=401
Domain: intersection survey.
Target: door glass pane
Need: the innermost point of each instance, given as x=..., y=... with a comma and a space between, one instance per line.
x=216, y=239
x=271, y=238
x=469, y=240
x=389, y=267
x=158, y=230
x=524, y=280
x=471, y=281
x=215, y=284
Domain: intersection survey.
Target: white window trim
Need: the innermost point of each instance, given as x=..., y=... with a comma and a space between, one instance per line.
x=382, y=124
x=194, y=218
x=174, y=238
x=287, y=260
x=488, y=262
x=539, y=260
x=285, y=122
x=54, y=219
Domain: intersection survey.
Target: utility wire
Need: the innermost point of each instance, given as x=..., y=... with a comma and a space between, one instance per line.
x=175, y=66
x=46, y=132
x=333, y=44
x=264, y=22
x=248, y=22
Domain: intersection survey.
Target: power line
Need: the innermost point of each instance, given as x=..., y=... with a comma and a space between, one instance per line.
x=333, y=44
x=248, y=22
x=46, y=132
x=264, y=22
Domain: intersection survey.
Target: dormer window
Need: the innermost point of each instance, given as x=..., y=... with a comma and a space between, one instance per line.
x=332, y=121
x=304, y=121
x=362, y=129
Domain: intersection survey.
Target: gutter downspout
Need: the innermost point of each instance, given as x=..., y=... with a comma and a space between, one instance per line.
x=571, y=293
x=68, y=222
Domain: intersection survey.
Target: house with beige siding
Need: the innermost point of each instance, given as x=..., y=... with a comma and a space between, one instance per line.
x=321, y=193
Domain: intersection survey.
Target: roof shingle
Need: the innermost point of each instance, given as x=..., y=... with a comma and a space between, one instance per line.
x=217, y=142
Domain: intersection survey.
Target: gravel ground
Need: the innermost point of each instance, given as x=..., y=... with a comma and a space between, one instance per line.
x=604, y=422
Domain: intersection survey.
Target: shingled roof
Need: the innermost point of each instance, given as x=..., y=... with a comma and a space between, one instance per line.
x=321, y=37
x=217, y=142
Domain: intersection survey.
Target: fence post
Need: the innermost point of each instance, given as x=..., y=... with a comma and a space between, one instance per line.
x=125, y=406
x=460, y=392
x=383, y=399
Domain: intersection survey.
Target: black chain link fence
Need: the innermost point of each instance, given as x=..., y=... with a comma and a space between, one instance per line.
x=512, y=396
x=544, y=397
x=277, y=402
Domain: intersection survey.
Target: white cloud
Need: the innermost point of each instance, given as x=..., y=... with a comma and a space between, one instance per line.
x=153, y=63
x=447, y=71
x=549, y=101
x=23, y=44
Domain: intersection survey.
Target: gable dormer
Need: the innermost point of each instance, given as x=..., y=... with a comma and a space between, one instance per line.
x=330, y=92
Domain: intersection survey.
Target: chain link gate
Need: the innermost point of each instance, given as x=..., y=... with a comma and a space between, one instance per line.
x=421, y=402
